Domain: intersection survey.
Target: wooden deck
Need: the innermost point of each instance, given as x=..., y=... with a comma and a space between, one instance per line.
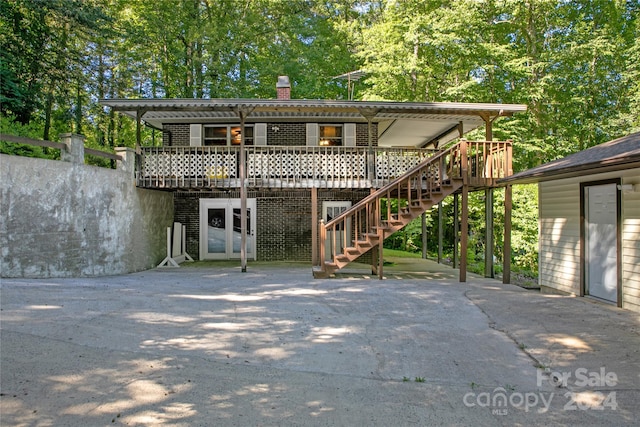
x=283, y=167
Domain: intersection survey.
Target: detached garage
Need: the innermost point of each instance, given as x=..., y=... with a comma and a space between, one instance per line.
x=589, y=222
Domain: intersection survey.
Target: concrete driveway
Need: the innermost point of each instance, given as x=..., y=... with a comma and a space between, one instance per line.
x=208, y=345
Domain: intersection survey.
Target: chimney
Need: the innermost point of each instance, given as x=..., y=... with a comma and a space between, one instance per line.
x=283, y=88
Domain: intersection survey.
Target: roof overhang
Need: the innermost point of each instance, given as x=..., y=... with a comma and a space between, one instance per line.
x=400, y=124
x=615, y=155
x=582, y=170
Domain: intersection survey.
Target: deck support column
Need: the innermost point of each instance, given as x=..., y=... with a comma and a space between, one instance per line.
x=464, y=231
x=380, y=253
x=488, y=206
x=314, y=227
x=423, y=223
x=488, y=248
x=139, y=114
x=456, y=230
x=508, y=205
x=506, y=262
x=243, y=112
x=440, y=232
x=243, y=198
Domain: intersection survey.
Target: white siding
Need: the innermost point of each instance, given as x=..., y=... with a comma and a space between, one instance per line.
x=559, y=241
x=631, y=244
x=559, y=205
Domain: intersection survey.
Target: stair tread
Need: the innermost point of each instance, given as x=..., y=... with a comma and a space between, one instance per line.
x=422, y=195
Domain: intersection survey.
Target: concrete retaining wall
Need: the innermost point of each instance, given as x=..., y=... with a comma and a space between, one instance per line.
x=64, y=219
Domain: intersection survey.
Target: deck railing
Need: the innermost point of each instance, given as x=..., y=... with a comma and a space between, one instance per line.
x=305, y=167
x=275, y=166
x=366, y=224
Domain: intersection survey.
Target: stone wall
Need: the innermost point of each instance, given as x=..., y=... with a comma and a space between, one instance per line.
x=64, y=219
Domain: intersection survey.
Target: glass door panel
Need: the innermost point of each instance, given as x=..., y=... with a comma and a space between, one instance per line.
x=220, y=229
x=237, y=232
x=216, y=233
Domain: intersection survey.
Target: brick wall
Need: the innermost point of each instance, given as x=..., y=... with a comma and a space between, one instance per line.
x=283, y=220
x=289, y=134
x=362, y=134
x=175, y=135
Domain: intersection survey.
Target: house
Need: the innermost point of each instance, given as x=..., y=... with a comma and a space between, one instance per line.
x=589, y=222
x=252, y=177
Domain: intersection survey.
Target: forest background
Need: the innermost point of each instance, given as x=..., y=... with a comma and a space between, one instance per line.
x=576, y=64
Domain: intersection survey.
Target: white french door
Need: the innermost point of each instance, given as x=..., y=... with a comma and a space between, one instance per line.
x=220, y=229
x=601, y=241
x=330, y=210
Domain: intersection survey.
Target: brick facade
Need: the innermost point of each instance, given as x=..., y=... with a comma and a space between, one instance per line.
x=288, y=134
x=283, y=220
x=175, y=135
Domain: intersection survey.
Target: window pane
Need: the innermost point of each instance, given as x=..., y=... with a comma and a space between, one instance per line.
x=330, y=135
x=215, y=135
x=236, y=133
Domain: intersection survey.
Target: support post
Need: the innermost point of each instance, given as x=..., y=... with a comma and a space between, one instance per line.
x=464, y=231
x=488, y=249
x=242, y=114
x=506, y=262
x=456, y=230
x=380, y=253
x=440, y=232
x=321, y=253
x=488, y=199
x=314, y=227
x=139, y=114
x=423, y=223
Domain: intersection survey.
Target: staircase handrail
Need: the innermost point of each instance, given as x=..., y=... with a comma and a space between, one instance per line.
x=373, y=196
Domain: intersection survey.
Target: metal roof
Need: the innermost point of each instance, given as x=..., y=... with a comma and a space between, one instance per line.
x=400, y=123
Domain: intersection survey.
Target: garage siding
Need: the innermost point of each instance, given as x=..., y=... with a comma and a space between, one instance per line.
x=559, y=206
x=631, y=244
x=559, y=240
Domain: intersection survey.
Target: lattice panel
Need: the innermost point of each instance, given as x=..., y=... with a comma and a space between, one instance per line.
x=393, y=165
x=213, y=165
x=157, y=165
x=218, y=165
x=312, y=165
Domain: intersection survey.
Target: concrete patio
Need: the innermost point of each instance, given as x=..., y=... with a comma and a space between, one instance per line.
x=207, y=345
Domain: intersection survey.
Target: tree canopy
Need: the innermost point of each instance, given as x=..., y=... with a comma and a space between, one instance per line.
x=575, y=64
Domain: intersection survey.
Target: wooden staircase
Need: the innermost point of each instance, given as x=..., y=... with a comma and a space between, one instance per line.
x=389, y=209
